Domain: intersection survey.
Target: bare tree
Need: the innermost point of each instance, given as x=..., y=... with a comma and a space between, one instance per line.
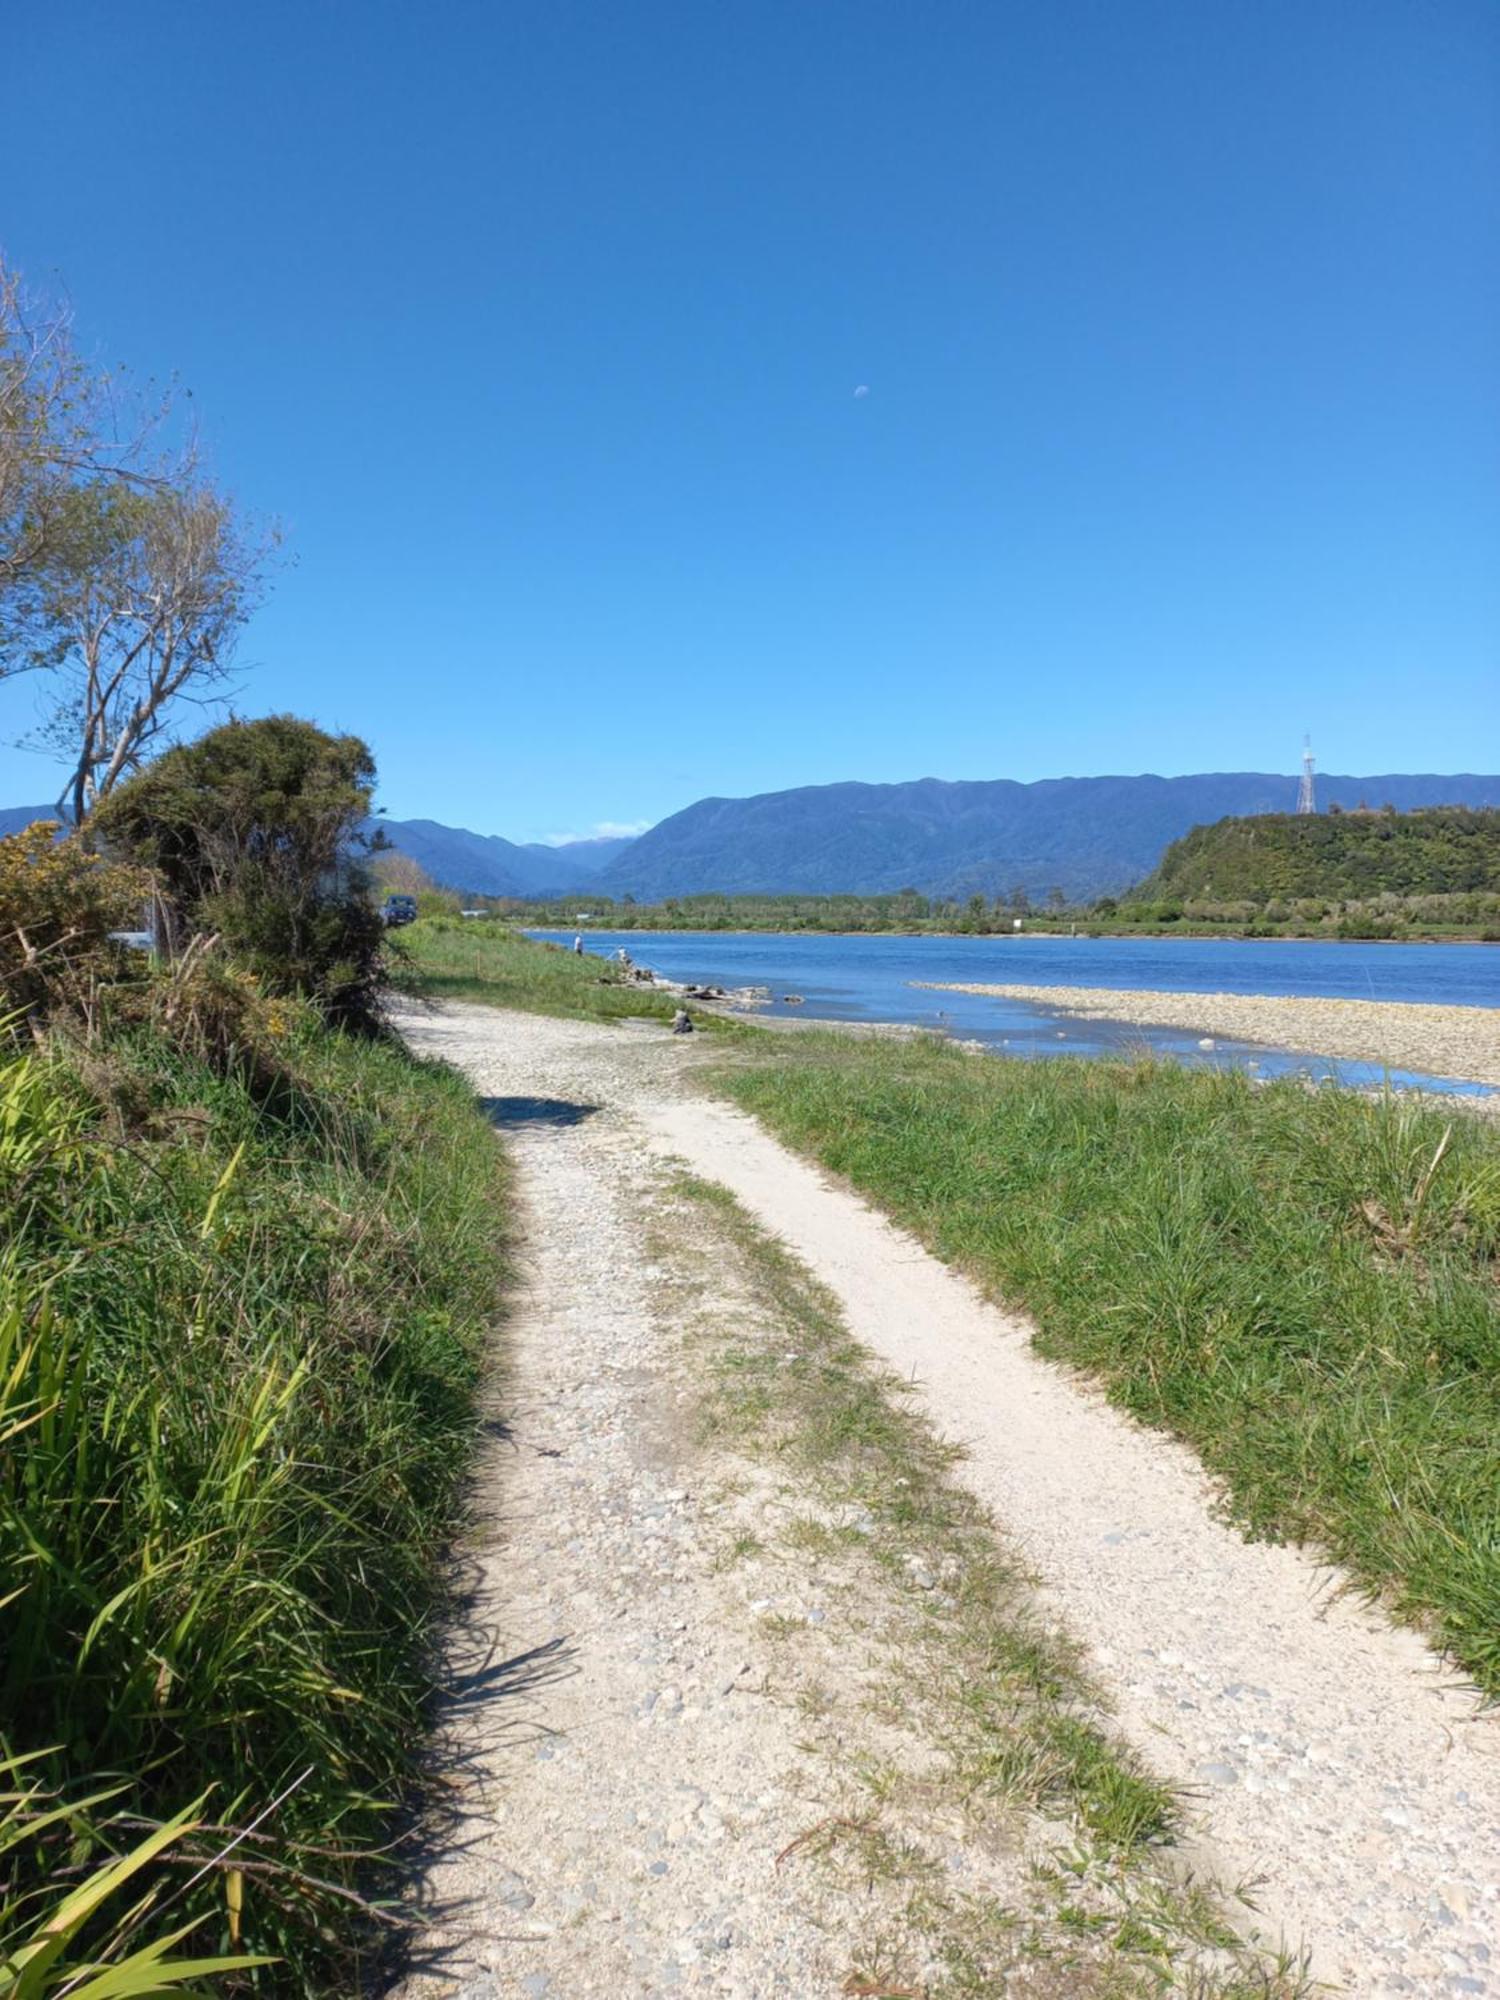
x=62, y=427
x=398, y=874
x=124, y=574
x=146, y=591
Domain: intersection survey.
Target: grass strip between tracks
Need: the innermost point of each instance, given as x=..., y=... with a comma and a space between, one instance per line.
x=948, y=1715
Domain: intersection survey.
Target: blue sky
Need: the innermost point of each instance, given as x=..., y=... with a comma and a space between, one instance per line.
x=541, y=329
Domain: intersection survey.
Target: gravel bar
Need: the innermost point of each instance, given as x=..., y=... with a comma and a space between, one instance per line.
x=1462, y=1042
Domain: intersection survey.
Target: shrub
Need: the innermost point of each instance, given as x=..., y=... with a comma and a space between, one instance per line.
x=58, y=905
x=255, y=832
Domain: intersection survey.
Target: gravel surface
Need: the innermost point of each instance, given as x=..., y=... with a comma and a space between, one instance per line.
x=619, y=1795
x=1461, y=1042
x=1330, y=1752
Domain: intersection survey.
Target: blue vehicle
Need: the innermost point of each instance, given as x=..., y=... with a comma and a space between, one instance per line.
x=399, y=910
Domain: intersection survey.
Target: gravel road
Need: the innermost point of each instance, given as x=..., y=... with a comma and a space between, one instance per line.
x=1459, y=1042
x=618, y=1796
x=618, y=1802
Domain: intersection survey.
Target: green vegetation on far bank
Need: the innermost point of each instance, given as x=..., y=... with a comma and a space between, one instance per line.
x=1302, y=1285
x=1383, y=875
x=1135, y=913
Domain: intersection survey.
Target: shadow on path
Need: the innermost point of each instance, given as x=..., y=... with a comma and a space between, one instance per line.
x=509, y=1112
x=438, y=1937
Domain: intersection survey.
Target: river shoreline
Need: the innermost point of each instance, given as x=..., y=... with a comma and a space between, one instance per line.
x=1437, y=1040
x=1092, y=934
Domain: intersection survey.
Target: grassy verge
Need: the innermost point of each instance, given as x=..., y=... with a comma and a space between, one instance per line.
x=475, y=959
x=241, y=1313
x=985, y=1820
x=1302, y=1285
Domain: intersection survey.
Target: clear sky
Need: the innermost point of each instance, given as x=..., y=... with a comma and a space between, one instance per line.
x=673, y=399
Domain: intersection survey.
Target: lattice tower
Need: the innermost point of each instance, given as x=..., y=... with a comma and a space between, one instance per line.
x=1307, y=797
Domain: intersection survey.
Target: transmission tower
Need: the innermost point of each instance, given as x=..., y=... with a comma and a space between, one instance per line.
x=1307, y=799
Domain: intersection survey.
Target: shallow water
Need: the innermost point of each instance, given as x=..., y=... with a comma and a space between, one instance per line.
x=871, y=979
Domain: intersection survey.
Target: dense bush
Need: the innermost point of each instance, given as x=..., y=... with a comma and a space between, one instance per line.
x=254, y=834
x=58, y=905
x=239, y=1331
x=1443, y=851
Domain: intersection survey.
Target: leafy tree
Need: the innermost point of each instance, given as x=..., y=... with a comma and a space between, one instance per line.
x=254, y=832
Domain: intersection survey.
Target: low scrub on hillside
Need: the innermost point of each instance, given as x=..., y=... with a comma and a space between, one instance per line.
x=246, y=1276
x=1445, y=851
x=1304, y=1284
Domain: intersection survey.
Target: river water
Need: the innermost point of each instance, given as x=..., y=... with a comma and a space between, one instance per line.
x=872, y=979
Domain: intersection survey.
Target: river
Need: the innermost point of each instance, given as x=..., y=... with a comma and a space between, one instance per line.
x=872, y=979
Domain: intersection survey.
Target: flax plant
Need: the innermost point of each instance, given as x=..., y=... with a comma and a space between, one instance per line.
x=238, y=1346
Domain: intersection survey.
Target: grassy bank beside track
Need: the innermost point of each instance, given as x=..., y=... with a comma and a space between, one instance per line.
x=1304, y=1285
x=242, y=1308
x=476, y=959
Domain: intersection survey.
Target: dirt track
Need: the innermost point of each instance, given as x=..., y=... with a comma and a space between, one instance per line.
x=1328, y=1754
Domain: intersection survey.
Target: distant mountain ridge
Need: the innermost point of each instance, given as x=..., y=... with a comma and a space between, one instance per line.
x=15, y=819
x=1085, y=836
x=484, y=864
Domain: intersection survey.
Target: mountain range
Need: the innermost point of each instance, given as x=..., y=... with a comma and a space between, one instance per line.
x=482, y=863
x=1085, y=836
x=487, y=865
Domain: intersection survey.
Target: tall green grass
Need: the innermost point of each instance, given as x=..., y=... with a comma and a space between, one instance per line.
x=477, y=959
x=239, y=1336
x=1305, y=1285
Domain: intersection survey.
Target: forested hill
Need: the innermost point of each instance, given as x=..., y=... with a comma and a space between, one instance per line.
x=1083, y=836
x=1439, y=851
